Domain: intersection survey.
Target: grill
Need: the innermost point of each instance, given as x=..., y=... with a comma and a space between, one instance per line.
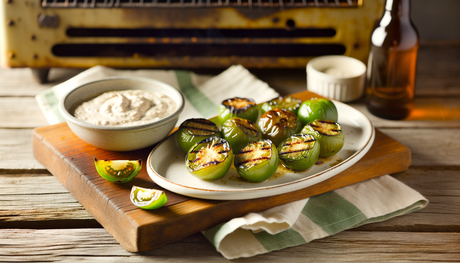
x=42, y=34
x=196, y=3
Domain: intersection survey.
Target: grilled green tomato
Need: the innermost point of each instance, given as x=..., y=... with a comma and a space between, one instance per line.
x=239, y=132
x=329, y=134
x=147, y=199
x=209, y=159
x=257, y=161
x=238, y=107
x=317, y=109
x=118, y=171
x=279, y=124
x=192, y=131
x=284, y=102
x=299, y=152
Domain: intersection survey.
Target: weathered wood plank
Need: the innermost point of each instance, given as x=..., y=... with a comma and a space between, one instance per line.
x=430, y=147
x=41, y=200
x=19, y=81
x=22, y=112
x=96, y=245
x=16, y=150
x=429, y=112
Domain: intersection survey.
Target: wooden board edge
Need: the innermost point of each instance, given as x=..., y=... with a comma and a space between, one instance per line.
x=85, y=192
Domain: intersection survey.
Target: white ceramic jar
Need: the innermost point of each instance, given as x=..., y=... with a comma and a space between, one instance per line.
x=336, y=77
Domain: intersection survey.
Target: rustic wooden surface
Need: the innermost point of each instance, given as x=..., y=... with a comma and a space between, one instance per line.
x=70, y=160
x=41, y=222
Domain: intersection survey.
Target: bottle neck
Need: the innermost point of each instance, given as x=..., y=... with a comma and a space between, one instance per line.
x=400, y=8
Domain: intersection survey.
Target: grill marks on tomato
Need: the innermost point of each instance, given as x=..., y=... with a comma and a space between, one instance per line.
x=325, y=127
x=247, y=126
x=280, y=118
x=296, y=146
x=209, y=152
x=200, y=127
x=238, y=104
x=254, y=153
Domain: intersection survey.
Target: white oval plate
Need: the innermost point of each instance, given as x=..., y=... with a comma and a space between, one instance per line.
x=166, y=166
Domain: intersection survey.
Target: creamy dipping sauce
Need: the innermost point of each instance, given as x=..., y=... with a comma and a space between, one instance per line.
x=126, y=107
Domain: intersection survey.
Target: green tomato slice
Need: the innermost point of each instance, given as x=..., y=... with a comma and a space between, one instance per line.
x=118, y=171
x=147, y=199
x=257, y=161
x=316, y=108
x=192, y=131
x=209, y=159
x=299, y=152
x=239, y=132
x=238, y=107
x=284, y=102
x=278, y=124
x=329, y=134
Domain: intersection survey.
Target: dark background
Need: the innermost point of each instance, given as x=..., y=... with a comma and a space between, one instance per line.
x=437, y=19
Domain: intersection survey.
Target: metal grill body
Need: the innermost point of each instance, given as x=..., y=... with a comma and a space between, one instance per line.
x=183, y=33
x=197, y=3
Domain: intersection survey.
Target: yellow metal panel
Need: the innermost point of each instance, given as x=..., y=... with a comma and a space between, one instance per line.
x=24, y=43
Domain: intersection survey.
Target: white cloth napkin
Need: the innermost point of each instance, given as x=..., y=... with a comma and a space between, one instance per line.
x=288, y=225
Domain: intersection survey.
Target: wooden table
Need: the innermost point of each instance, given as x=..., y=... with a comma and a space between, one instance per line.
x=40, y=221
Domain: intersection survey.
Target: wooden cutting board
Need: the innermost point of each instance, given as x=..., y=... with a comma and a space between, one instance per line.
x=71, y=160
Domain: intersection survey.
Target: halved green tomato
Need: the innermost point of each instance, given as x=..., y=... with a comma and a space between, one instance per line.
x=257, y=161
x=118, y=171
x=284, y=102
x=147, y=199
x=238, y=107
x=329, y=134
x=316, y=108
x=239, y=132
x=279, y=124
x=192, y=131
x=299, y=152
x=209, y=159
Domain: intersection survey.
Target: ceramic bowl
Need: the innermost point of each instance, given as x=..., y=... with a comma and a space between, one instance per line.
x=336, y=77
x=120, y=138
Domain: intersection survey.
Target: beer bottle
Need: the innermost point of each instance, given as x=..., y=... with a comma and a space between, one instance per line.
x=392, y=63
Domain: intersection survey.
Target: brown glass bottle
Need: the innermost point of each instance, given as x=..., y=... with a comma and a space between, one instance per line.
x=392, y=63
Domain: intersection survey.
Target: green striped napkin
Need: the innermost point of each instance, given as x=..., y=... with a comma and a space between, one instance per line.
x=279, y=227
x=317, y=217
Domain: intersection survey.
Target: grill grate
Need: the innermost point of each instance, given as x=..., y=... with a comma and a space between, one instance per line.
x=197, y=3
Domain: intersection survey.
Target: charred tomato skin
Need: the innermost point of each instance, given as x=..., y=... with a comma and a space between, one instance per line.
x=192, y=131
x=244, y=108
x=317, y=108
x=283, y=102
x=118, y=171
x=209, y=159
x=278, y=124
x=299, y=152
x=257, y=161
x=329, y=134
x=239, y=132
